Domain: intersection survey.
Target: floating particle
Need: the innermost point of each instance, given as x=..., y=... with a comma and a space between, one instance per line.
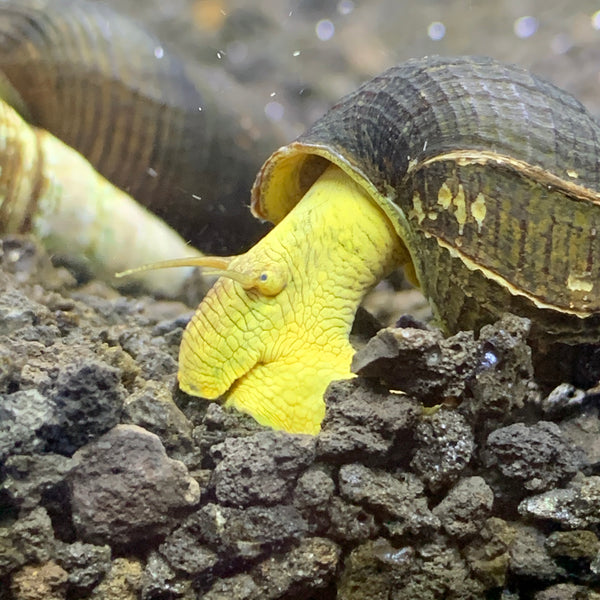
x=325, y=30
x=159, y=51
x=436, y=30
x=274, y=111
x=525, y=27
x=345, y=7
x=561, y=43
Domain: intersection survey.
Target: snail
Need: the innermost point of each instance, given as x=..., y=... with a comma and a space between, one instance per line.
x=479, y=178
x=182, y=139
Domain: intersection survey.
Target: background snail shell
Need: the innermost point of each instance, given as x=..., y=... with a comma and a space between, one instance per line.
x=490, y=176
x=183, y=140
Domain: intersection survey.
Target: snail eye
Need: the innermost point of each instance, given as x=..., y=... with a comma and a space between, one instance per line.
x=271, y=282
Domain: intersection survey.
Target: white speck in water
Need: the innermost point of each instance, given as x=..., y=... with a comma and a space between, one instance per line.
x=436, y=31
x=296, y=53
x=159, y=51
x=274, y=111
x=220, y=54
x=151, y=172
x=561, y=43
x=345, y=7
x=273, y=94
x=525, y=27
x=596, y=20
x=199, y=108
x=196, y=197
x=325, y=30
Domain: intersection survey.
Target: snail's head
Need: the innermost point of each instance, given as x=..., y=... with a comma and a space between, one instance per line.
x=272, y=332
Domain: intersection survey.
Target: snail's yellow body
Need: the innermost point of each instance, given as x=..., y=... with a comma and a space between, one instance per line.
x=273, y=354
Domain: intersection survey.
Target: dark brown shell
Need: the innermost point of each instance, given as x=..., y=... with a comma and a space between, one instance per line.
x=491, y=177
x=184, y=141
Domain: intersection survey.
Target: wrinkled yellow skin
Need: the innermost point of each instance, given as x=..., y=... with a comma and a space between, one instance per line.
x=272, y=351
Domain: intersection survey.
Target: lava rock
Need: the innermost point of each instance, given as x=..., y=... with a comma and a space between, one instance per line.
x=535, y=457
x=365, y=422
x=300, y=572
x=89, y=396
x=502, y=383
x=574, y=507
x=238, y=587
x=376, y=570
x=488, y=554
x=566, y=591
x=47, y=581
x=29, y=539
x=29, y=478
x=580, y=544
x=126, y=490
x=444, y=447
x=160, y=580
x=122, y=582
x=349, y=522
x=223, y=533
x=399, y=498
x=420, y=362
x=152, y=408
x=528, y=554
x=23, y=417
x=260, y=469
x=85, y=564
x=312, y=497
x=466, y=506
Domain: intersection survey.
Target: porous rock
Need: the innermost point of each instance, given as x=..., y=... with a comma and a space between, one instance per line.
x=90, y=396
x=528, y=554
x=126, y=490
x=535, y=458
x=365, y=422
x=302, y=571
x=238, y=587
x=502, y=382
x=466, y=506
x=398, y=499
x=29, y=477
x=420, y=362
x=216, y=533
x=376, y=570
x=312, y=497
x=46, y=581
x=444, y=447
x=24, y=415
x=152, y=408
x=573, y=507
x=349, y=522
x=86, y=564
x=29, y=540
x=567, y=591
x=581, y=544
x=488, y=553
x=260, y=469
x=122, y=582
x=160, y=580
